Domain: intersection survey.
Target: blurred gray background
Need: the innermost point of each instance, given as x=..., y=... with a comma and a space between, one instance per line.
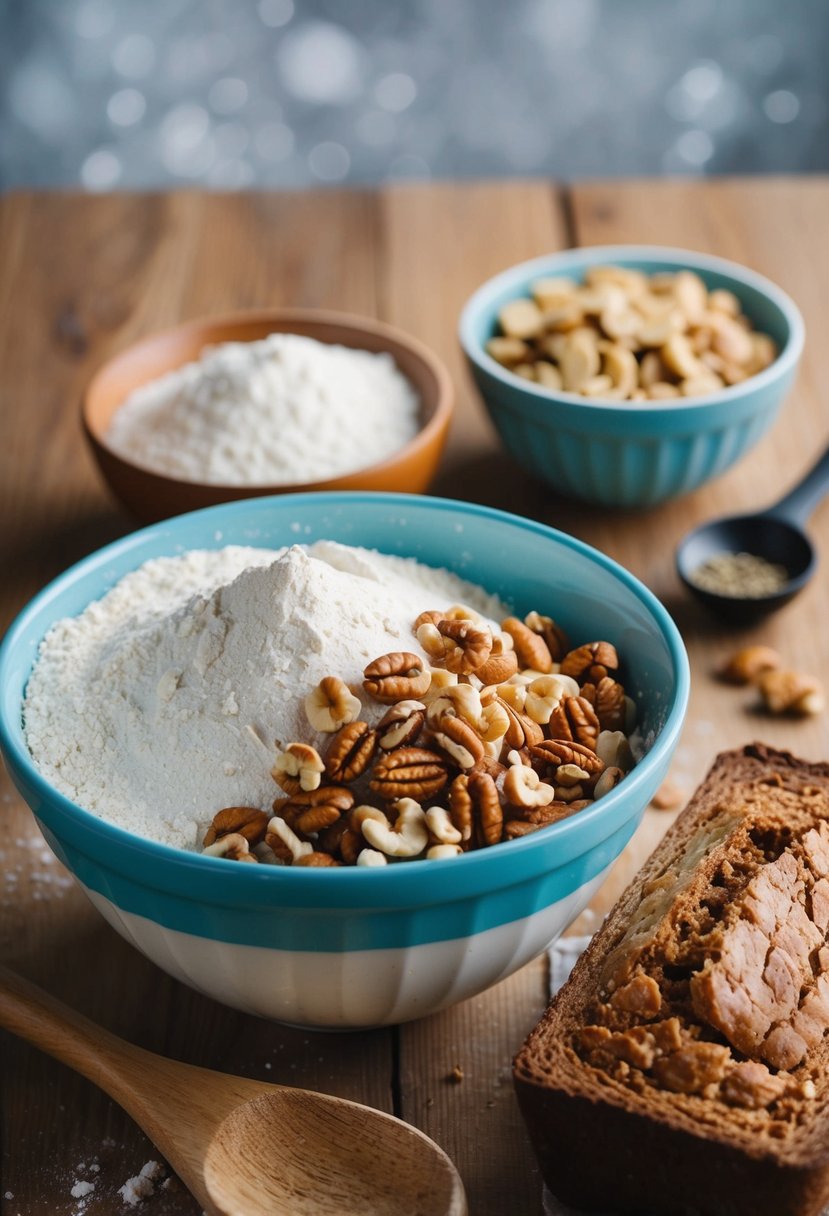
x=226, y=94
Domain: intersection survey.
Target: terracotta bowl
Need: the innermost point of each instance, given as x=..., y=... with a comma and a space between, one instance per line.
x=151, y=496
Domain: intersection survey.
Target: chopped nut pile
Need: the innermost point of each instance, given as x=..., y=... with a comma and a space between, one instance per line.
x=625, y=336
x=492, y=736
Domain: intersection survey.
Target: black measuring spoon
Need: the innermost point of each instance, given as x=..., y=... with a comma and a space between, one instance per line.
x=776, y=534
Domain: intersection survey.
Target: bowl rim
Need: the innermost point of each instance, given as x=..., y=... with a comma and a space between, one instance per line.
x=383, y=885
x=588, y=255
x=425, y=436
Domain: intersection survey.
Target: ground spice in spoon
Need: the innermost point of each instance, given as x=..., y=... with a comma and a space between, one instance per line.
x=741, y=576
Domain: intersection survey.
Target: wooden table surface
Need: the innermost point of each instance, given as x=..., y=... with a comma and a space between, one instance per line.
x=80, y=277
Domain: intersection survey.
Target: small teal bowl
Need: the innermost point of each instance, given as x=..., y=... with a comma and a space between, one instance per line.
x=631, y=454
x=362, y=947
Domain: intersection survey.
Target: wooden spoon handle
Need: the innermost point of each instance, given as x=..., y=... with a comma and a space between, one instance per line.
x=47, y=1023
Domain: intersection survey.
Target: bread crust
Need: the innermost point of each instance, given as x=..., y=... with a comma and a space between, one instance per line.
x=605, y=1147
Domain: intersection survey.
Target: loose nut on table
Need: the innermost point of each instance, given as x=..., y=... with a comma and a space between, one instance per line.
x=791, y=692
x=745, y=665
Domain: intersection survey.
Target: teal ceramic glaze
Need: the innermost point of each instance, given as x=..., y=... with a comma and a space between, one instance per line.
x=631, y=453
x=354, y=946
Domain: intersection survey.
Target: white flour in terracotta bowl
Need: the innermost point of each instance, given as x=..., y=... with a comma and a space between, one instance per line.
x=284, y=409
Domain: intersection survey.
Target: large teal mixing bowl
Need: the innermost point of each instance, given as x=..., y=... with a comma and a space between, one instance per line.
x=359, y=946
x=624, y=453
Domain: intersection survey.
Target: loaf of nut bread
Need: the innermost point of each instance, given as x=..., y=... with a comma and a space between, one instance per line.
x=683, y=1067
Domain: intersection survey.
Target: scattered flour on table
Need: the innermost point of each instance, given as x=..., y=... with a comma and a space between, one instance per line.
x=161, y=703
x=285, y=409
x=143, y=1185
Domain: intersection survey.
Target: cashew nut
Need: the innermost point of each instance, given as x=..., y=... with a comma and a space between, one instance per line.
x=441, y=826
x=459, y=700
x=233, y=846
x=439, y=852
x=579, y=359
x=620, y=364
x=297, y=847
x=545, y=693
x=370, y=857
x=432, y=641
x=520, y=319
x=441, y=680
x=494, y=722
x=409, y=835
x=679, y=358
x=524, y=787
x=613, y=749
x=609, y=779
x=570, y=774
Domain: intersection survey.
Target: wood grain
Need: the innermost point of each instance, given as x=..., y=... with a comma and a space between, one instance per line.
x=87, y=276
x=82, y=276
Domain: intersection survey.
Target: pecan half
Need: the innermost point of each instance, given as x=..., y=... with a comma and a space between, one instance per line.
x=608, y=699
x=459, y=741
x=522, y=731
x=401, y=725
x=531, y=649
x=499, y=667
x=352, y=750
x=475, y=809
x=524, y=788
x=409, y=772
x=513, y=828
x=313, y=810
x=530, y=819
x=246, y=821
x=316, y=860
x=396, y=677
x=556, y=752
x=575, y=719
x=427, y=618
x=472, y=645
x=489, y=814
x=591, y=662
x=557, y=641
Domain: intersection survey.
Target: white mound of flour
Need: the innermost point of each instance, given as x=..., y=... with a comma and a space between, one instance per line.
x=285, y=409
x=160, y=704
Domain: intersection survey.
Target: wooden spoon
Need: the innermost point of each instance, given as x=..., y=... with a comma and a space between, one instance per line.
x=246, y=1148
